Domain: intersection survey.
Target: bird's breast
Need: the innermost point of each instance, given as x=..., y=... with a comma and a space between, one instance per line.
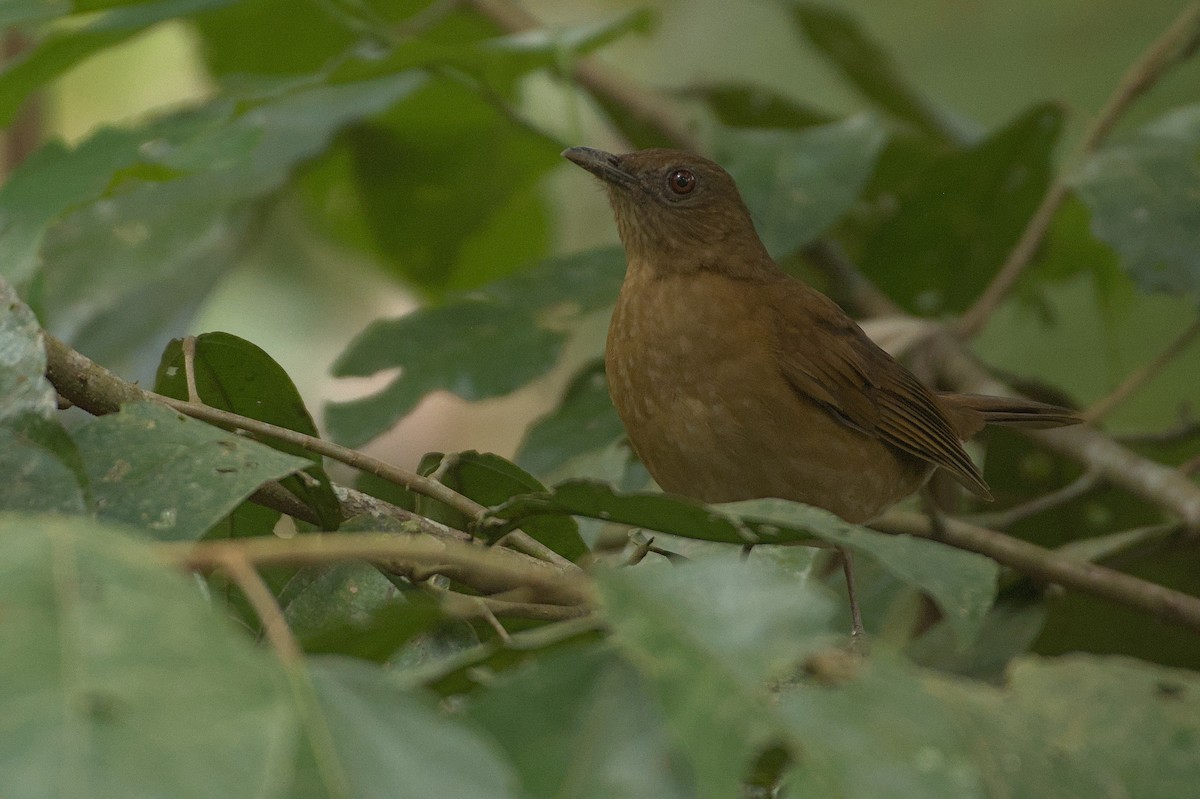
x=693, y=372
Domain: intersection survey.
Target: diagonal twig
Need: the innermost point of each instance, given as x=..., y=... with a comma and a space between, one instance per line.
x=1175, y=44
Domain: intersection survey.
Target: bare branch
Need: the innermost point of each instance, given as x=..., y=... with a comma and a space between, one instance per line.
x=1003, y=519
x=486, y=569
x=1052, y=567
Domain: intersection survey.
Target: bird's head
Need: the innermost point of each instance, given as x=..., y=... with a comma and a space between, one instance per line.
x=674, y=210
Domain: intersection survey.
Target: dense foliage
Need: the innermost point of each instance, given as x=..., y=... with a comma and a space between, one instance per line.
x=549, y=625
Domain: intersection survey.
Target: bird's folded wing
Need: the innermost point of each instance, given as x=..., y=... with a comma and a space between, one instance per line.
x=831, y=361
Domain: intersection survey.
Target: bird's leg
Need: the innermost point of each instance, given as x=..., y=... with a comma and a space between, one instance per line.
x=856, y=631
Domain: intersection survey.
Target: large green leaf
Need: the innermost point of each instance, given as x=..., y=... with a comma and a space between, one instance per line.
x=1080, y=726
x=24, y=388
x=798, y=183
x=41, y=466
x=490, y=480
x=480, y=345
x=584, y=421
x=597, y=731
x=743, y=105
x=176, y=477
x=963, y=584
x=708, y=635
x=1144, y=194
x=393, y=744
x=866, y=726
x=123, y=266
x=443, y=212
x=70, y=43
x=118, y=680
x=867, y=66
x=952, y=230
x=235, y=375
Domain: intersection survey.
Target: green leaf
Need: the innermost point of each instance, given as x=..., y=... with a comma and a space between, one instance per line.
x=120, y=269
x=866, y=65
x=1138, y=720
x=1082, y=726
x=316, y=33
x=235, y=375
x=350, y=608
x=1144, y=194
x=652, y=510
x=27, y=208
x=444, y=213
x=798, y=183
x=121, y=680
x=708, y=635
x=490, y=480
x=41, y=466
x=745, y=105
x=476, y=349
x=481, y=345
x=598, y=730
x=953, y=229
x=67, y=45
x=584, y=421
x=880, y=728
x=24, y=388
x=963, y=584
x=173, y=476
x=1009, y=629
x=393, y=744
x=497, y=62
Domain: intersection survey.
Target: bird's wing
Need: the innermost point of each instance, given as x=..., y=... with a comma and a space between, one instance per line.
x=828, y=358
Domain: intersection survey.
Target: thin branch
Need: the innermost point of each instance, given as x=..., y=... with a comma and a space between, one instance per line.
x=486, y=569
x=1053, y=567
x=99, y=391
x=1177, y=43
x=649, y=108
x=356, y=502
x=1125, y=543
x=458, y=604
x=1114, y=464
x=235, y=565
x=1142, y=375
x=1004, y=519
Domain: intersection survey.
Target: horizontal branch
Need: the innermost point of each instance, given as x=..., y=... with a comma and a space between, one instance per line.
x=487, y=569
x=1051, y=567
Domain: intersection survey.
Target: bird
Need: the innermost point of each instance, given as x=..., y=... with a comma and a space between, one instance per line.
x=736, y=380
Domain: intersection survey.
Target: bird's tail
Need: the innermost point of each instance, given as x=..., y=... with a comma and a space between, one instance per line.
x=1012, y=411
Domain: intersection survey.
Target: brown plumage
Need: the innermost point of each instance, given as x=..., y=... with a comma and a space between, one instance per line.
x=735, y=380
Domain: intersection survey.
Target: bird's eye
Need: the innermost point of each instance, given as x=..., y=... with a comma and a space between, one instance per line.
x=681, y=181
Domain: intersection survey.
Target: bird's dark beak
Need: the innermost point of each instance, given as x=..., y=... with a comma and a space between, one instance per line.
x=605, y=166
